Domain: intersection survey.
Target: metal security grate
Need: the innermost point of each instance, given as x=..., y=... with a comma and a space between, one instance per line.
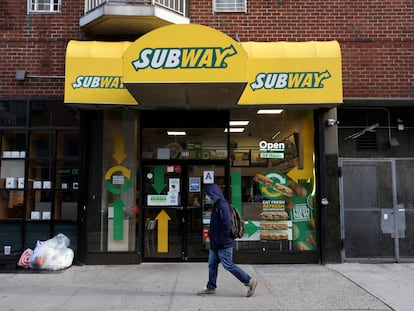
x=368, y=141
x=230, y=6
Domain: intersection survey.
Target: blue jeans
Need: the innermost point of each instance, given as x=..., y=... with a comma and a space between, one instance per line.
x=225, y=256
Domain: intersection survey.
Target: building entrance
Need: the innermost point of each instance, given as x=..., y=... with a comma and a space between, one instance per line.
x=377, y=221
x=176, y=220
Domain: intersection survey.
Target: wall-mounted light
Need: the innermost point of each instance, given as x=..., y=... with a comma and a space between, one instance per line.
x=400, y=125
x=331, y=122
x=21, y=75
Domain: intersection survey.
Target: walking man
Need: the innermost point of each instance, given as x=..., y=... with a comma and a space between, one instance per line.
x=221, y=243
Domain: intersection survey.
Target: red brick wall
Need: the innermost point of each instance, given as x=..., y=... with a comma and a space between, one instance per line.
x=35, y=43
x=376, y=37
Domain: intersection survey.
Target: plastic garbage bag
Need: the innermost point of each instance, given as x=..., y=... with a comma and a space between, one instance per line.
x=52, y=254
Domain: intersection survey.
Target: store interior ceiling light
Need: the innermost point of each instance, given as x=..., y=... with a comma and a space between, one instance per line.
x=235, y=130
x=239, y=123
x=270, y=111
x=276, y=135
x=176, y=133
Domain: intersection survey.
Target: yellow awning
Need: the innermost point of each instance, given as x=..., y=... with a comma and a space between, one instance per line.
x=293, y=73
x=195, y=66
x=185, y=66
x=94, y=73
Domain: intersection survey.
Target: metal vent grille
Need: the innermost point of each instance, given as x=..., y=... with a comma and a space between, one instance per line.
x=368, y=141
x=230, y=6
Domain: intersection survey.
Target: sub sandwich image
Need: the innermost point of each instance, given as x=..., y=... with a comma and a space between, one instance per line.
x=270, y=183
x=273, y=225
x=274, y=215
x=273, y=235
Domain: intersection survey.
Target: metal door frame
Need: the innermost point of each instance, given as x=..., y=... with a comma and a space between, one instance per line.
x=392, y=162
x=146, y=240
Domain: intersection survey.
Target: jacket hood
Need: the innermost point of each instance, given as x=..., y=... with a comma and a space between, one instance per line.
x=214, y=192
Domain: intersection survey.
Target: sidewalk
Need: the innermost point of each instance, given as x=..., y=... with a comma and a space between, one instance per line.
x=173, y=287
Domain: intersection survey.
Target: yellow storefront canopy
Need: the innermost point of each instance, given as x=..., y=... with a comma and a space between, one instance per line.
x=195, y=66
x=185, y=66
x=293, y=73
x=93, y=73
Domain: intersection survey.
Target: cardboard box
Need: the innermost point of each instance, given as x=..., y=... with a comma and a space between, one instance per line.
x=46, y=215
x=20, y=183
x=37, y=184
x=11, y=182
x=15, y=154
x=35, y=215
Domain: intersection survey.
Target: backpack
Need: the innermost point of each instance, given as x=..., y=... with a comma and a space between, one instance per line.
x=237, y=224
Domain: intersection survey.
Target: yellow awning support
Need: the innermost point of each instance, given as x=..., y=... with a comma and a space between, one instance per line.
x=94, y=73
x=293, y=73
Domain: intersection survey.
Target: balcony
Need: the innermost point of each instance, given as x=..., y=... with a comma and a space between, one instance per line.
x=131, y=17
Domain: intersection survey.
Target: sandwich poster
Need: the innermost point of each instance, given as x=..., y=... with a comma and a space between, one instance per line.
x=287, y=210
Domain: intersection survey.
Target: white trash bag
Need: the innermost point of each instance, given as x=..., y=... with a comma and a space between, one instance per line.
x=52, y=254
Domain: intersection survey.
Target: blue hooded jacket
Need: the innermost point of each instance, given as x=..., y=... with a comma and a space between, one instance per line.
x=220, y=222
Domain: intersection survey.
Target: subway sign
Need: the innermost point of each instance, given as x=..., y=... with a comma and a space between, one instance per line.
x=98, y=82
x=290, y=80
x=191, y=57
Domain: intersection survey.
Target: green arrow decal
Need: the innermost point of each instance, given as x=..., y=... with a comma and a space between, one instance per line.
x=250, y=228
x=118, y=219
x=159, y=184
x=111, y=188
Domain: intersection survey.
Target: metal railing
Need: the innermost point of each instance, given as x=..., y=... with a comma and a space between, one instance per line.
x=177, y=6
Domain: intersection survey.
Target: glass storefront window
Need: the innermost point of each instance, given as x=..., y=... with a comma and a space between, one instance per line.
x=38, y=171
x=45, y=113
x=185, y=144
x=11, y=204
x=113, y=215
x=41, y=144
x=273, y=181
x=66, y=205
x=13, y=113
x=39, y=205
x=68, y=144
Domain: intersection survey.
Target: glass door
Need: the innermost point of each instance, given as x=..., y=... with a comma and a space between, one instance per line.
x=175, y=218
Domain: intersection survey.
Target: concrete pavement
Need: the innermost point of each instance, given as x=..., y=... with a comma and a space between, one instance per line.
x=173, y=286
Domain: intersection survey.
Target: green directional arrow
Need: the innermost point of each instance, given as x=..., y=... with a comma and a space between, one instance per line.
x=158, y=184
x=250, y=228
x=118, y=219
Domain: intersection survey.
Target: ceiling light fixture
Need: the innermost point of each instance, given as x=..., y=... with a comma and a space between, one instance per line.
x=276, y=135
x=176, y=133
x=270, y=111
x=239, y=123
x=235, y=130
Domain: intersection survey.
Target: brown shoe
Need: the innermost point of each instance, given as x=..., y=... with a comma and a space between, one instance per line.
x=206, y=291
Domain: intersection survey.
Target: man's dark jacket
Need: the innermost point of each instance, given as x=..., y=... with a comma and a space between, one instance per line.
x=220, y=223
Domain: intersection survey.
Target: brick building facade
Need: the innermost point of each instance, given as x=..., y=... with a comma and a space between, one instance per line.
x=376, y=39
